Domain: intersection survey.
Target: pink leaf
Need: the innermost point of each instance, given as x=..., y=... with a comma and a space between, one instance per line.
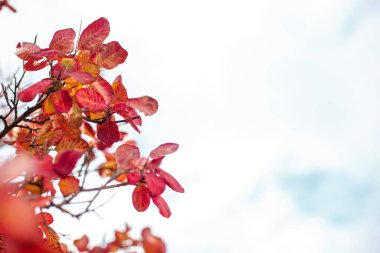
x=110, y=55
x=146, y=105
x=25, y=50
x=29, y=93
x=63, y=40
x=94, y=34
x=126, y=153
x=62, y=101
x=104, y=88
x=162, y=206
x=134, y=177
x=64, y=162
x=156, y=185
x=108, y=133
x=164, y=149
x=171, y=181
x=90, y=100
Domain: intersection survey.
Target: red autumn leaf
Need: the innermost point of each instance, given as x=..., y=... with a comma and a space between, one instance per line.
x=25, y=50
x=49, y=54
x=155, y=184
x=141, y=198
x=87, y=129
x=81, y=243
x=119, y=91
x=35, y=65
x=29, y=93
x=171, y=181
x=44, y=218
x=64, y=162
x=51, y=236
x=94, y=34
x=110, y=55
x=104, y=88
x=146, y=105
x=63, y=40
x=162, y=206
x=163, y=150
x=68, y=185
x=108, y=133
x=82, y=77
x=151, y=243
x=90, y=100
x=130, y=115
x=126, y=153
x=134, y=177
x=62, y=101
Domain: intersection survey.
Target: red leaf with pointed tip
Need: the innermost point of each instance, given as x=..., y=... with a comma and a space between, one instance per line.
x=110, y=55
x=132, y=117
x=35, y=65
x=68, y=185
x=141, y=198
x=62, y=101
x=162, y=206
x=90, y=100
x=119, y=91
x=44, y=218
x=146, y=105
x=155, y=184
x=29, y=93
x=64, y=162
x=108, y=133
x=94, y=34
x=25, y=50
x=126, y=153
x=63, y=40
x=104, y=88
x=164, y=149
x=171, y=181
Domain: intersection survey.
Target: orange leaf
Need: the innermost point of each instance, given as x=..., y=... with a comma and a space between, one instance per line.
x=141, y=198
x=119, y=91
x=63, y=40
x=81, y=243
x=90, y=100
x=68, y=185
x=62, y=101
x=48, y=106
x=72, y=144
x=51, y=236
x=110, y=55
x=94, y=34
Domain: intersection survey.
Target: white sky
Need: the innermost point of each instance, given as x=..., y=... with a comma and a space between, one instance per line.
x=261, y=95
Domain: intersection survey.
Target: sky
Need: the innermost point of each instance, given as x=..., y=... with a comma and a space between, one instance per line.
x=275, y=105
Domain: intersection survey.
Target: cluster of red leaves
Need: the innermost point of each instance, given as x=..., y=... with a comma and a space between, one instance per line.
x=4, y=3
x=76, y=112
x=123, y=241
x=145, y=173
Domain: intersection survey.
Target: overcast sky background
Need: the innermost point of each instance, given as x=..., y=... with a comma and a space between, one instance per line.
x=276, y=106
